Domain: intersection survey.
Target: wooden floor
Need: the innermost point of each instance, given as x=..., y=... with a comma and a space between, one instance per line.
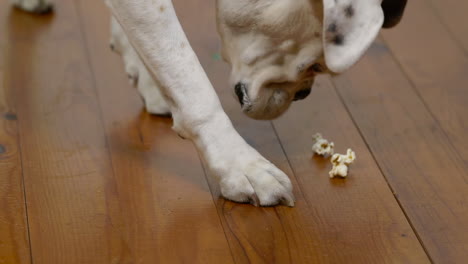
x=86, y=176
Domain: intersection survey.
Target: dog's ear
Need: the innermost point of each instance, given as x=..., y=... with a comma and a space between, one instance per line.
x=393, y=11
x=349, y=27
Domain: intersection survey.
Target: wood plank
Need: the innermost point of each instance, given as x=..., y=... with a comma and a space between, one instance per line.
x=452, y=13
x=159, y=177
x=14, y=240
x=72, y=212
x=426, y=173
x=254, y=234
x=433, y=57
x=359, y=211
x=331, y=218
x=437, y=69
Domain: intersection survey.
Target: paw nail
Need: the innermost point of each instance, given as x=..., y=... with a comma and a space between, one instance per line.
x=287, y=201
x=253, y=200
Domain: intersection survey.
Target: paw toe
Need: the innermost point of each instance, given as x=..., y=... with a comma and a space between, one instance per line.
x=238, y=189
x=277, y=198
x=260, y=184
x=272, y=186
x=253, y=200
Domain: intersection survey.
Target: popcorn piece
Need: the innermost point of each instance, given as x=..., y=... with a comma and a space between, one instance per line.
x=341, y=162
x=322, y=146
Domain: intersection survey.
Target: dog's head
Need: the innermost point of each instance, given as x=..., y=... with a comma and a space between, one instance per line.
x=277, y=47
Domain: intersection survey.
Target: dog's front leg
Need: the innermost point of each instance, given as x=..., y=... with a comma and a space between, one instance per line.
x=155, y=32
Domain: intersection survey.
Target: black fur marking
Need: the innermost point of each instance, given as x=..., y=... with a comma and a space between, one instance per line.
x=338, y=39
x=349, y=11
x=333, y=34
x=332, y=27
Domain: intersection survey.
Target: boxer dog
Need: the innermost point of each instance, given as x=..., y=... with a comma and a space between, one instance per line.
x=275, y=49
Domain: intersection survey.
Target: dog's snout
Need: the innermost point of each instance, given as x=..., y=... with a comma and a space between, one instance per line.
x=241, y=92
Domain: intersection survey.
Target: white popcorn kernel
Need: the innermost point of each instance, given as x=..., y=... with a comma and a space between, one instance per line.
x=322, y=146
x=341, y=162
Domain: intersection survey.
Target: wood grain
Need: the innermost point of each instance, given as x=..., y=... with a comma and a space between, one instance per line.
x=73, y=217
x=435, y=62
x=412, y=150
x=452, y=14
x=437, y=69
x=105, y=182
x=159, y=178
x=331, y=218
x=346, y=210
x=14, y=240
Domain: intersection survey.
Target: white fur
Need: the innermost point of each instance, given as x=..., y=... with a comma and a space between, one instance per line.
x=274, y=47
x=359, y=31
x=244, y=175
x=271, y=45
x=137, y=72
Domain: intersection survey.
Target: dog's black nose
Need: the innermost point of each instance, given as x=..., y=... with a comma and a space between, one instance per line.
x=241, y=92
x=302, y=94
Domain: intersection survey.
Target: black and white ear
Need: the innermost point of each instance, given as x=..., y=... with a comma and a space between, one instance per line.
x=349, y=27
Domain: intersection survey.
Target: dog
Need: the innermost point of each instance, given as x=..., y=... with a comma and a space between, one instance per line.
x=275, y=49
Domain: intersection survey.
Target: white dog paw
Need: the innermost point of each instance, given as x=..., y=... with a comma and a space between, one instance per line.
x=243, y=174
x=258, y=182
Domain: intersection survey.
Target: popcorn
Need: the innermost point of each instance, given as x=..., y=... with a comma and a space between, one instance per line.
x=341, y=162
x=322, y=146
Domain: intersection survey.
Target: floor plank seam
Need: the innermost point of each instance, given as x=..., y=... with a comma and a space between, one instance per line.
x=413, y=86
x=93, y=78
x=290, y=164
x=25, y=197
x=382, y=173
x=83, y=37
x=205, y=171
x=447, y=28
x=20, y=153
